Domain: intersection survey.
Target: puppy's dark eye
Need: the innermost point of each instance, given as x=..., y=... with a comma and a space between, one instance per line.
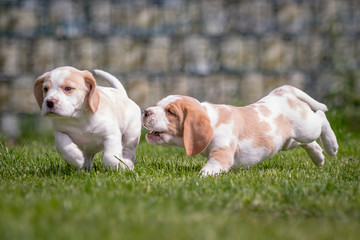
x=170, y=112
x=46, y=89
x=68, y=89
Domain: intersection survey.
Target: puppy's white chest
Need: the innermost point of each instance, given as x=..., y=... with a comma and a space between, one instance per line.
x=88, y=141
x=85, y=136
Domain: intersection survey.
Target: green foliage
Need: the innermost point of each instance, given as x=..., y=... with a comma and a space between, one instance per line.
x=285, y=197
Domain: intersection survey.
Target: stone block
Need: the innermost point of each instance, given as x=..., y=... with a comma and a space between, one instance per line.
x=142, y=19
x=138, y=89
x=66, y=18
x=4, y=96
x=221, y=89
x=196, y=87
x=156, y=91
x=344, y=54
x=200, y=55
x=251, y=17
x=157, y=55
x=310, y=51
x=22, y=86
x=62, y=55
x=20, y=21
x=13, y=56
x=176, y=55
x=272, y=81
x=126, y=55
x=87, y=53
x=328, y=83
x=276, y=54
x=5, y=18
x=100, y=12
x=118, y=17
x=327, y=15
x=251, y=87
x=238, y=53
x=179, y=18
x=176, y=85
x=293, y=17
x=337, y=88
x=231, y=90
x=232, y=53
x=297, y=79
x=45, y=51
x=212, y=88
x=213, y=17
x=354, y=24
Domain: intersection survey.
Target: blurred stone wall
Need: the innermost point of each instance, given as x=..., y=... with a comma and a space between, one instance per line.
x=222, y=51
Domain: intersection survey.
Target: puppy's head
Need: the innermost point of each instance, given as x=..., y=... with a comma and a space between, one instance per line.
x=180, y=121
x=66, y=91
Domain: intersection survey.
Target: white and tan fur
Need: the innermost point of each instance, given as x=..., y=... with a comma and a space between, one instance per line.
x=88, y=118
x=232, y=137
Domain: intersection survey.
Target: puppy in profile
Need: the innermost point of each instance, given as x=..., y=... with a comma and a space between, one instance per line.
x=88, y=118
x=231, y=137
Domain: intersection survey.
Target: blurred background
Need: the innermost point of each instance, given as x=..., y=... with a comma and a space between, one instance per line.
x=221, y=51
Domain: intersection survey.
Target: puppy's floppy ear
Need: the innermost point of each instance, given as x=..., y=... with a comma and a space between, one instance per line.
x=38, y=91
x=197, y=130
x=94, y=95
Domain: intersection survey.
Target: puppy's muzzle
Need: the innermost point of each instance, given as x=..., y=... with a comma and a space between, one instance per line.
x=50, y=103
x=147, y=113
x=145, y=118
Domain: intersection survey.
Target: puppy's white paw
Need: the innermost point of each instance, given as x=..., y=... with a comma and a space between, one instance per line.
x=125, y=164
x=207, y=171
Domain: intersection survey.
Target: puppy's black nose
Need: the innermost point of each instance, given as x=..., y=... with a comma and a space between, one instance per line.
x=49, y=104
x=147, y=113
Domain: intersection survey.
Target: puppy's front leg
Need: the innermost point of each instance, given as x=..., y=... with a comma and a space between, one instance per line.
x=69, y=150
x=113, y=152
x=220, y=160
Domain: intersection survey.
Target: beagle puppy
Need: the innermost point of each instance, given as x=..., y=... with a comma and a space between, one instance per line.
x=231, y=137
x=88, y=118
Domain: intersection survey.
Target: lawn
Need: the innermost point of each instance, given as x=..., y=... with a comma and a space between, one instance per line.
x=286, y=197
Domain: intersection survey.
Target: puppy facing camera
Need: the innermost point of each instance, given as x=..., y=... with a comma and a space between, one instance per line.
x=88, y=118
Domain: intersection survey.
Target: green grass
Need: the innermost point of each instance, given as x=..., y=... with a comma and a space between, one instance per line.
x=285, y=197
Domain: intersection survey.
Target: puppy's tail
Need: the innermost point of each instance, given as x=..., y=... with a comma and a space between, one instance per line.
x=313, y=104
x=114, y=82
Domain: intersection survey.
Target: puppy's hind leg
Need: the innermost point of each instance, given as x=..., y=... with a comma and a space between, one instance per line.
x=89, y=160
x=327, y=137
x=314, y=151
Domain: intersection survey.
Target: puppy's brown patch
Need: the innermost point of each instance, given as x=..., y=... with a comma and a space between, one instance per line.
x=249, y=126
x=279, y=92
x=224, y=113
x=225, y=156
x=265, y=111
x=75, y=81
x=284, y=126
x=299, y=106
